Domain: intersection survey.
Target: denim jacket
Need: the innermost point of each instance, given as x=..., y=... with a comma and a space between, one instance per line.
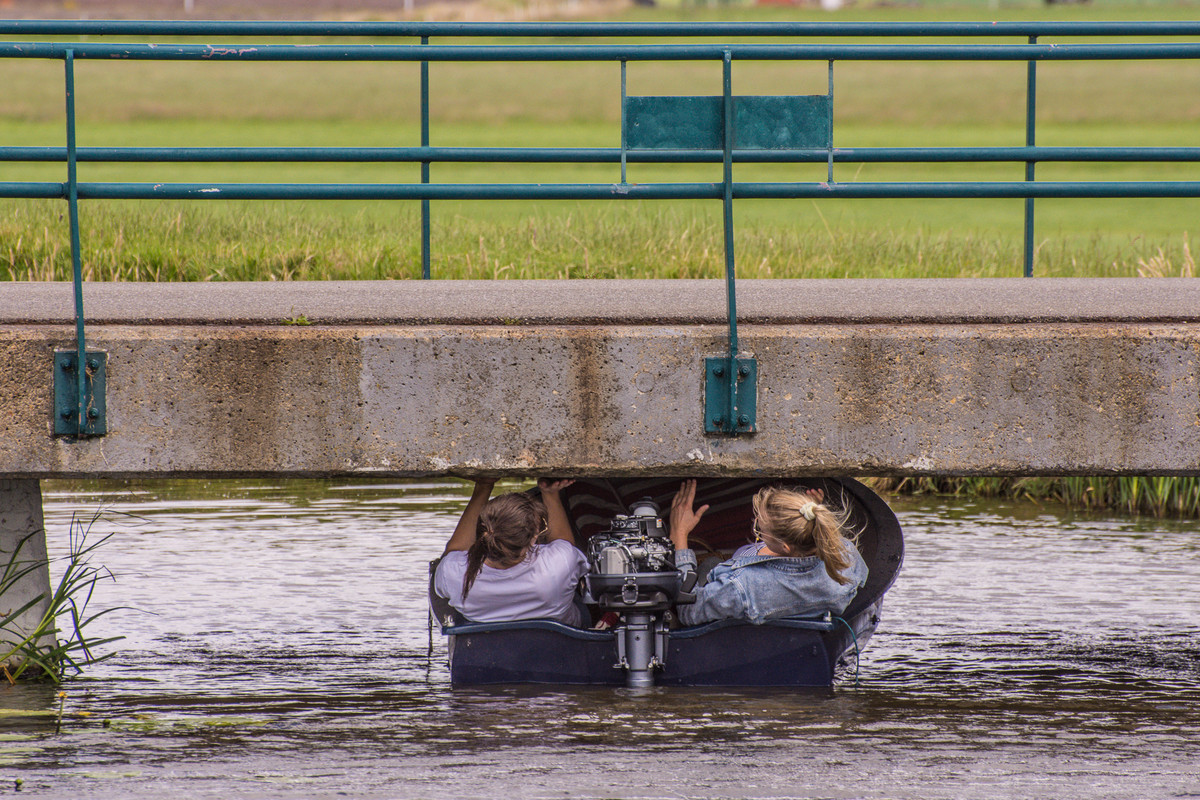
x=758, y=588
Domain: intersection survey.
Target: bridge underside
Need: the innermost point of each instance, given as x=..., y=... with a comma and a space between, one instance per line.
x=1018, y=376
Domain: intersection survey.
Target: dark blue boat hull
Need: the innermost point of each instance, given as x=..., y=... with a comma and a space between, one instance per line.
x=783, y=652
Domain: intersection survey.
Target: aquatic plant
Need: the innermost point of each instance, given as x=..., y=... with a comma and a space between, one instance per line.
x=57, y=644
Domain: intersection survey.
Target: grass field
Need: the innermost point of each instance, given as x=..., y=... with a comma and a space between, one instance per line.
x=375, y=104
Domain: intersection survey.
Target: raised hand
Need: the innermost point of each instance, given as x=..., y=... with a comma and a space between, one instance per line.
x=556, y=514
x=685, y=518
x=555, y=486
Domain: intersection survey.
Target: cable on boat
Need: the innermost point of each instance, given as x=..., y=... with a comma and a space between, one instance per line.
x=857, y=652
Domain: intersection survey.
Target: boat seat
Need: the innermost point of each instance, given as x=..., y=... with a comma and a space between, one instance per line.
x=453, y=623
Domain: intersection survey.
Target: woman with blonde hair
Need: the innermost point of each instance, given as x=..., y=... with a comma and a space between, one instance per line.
x=801, y=565
x=513, y=557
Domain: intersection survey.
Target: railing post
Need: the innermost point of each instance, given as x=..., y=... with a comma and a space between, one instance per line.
x=425, y=271
x=1030, y=138
x=830, y=128
x=727, y=141
x=76, y=256
x=79, y=402
x=624, y=139
x=730, y=382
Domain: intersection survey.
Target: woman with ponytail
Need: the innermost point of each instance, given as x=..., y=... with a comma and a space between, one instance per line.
x=801, y=565
x=513, y=557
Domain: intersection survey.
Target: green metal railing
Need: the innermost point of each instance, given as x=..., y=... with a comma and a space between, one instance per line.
x=653, y=130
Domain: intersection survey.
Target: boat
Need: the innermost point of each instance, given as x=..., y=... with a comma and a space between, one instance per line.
x=642, y=649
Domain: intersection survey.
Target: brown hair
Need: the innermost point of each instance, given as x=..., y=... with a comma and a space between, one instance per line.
x=509, y=526
x=780, y=515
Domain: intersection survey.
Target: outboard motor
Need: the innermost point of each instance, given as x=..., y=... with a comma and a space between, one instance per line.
x=632, y=572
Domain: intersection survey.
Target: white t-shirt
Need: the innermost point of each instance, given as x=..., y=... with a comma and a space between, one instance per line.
x=540, y=587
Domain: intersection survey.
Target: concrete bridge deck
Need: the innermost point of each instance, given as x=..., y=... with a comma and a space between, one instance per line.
x=1005, y=376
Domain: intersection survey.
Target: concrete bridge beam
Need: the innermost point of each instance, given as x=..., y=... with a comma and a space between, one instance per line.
x=1042, y=376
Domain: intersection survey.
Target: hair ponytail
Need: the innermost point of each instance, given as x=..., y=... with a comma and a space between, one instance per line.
x=805, y=527
x=477, y=553
x=509, y=526
x=830, y=544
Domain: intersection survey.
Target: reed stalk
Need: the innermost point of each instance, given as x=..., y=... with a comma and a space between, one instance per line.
x=57, y=644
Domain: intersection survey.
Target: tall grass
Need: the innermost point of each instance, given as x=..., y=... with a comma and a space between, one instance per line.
x=1158, y=496
x=249, y=242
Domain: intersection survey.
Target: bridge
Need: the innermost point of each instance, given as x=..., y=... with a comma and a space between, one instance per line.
x=407, y=378
x=412, y=378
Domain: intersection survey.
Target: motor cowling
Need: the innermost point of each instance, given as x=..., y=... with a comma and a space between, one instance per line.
x=632, y=564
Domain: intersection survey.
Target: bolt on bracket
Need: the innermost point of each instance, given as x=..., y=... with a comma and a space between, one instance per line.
x=730, y=395
x=72, y=417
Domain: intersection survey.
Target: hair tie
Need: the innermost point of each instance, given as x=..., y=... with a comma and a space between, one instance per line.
x=808, y=510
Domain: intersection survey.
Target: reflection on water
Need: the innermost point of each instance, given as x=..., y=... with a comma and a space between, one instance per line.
x=279, y=649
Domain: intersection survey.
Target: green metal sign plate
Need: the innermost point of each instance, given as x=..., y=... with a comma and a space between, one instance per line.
x=66, y=394
x=760, y=122
x=718, y=416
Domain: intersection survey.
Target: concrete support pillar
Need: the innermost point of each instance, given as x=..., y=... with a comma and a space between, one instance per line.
x=22, y=549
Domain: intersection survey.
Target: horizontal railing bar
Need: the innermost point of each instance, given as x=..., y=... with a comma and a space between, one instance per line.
x=594, y=29
x=603, y=191
x=1012, y=154
x=615, y=52
x=33, y=190
x=972, y=189
x=595, y=155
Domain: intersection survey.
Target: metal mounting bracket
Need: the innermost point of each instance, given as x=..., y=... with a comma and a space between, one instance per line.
x=67, y=407
x=730, y=395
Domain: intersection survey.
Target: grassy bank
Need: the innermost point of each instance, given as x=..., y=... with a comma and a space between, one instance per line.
x=1156, y=496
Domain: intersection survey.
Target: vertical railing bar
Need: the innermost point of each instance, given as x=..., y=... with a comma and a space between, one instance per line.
x=624, y=143
x=730, y=289
x=76, y=257
x=1030, y=139
x=829, y=130
x=425, y=237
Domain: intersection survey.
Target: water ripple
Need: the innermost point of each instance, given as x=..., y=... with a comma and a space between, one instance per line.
x=280, y=649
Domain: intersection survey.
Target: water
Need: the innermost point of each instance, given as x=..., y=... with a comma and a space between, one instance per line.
x=278, y=648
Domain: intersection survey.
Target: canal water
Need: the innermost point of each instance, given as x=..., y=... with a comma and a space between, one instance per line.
x=277, y=646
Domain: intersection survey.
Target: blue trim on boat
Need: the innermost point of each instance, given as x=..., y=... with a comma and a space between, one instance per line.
x=528, y=625
x=809, y=624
